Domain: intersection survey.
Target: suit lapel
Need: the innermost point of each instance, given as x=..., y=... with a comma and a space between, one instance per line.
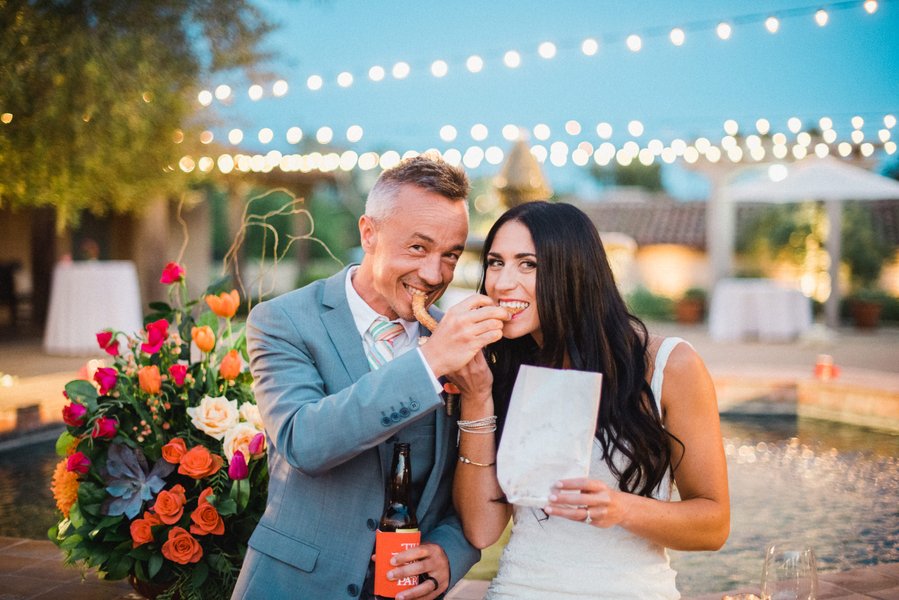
x=341, y=327
x=339, y=323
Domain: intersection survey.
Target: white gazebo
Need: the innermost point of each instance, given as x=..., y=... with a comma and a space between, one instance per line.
x=829, y=180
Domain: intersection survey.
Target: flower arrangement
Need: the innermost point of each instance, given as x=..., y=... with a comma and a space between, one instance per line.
x=163, y=476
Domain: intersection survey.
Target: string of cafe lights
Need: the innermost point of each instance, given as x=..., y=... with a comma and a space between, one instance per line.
x=546, y=50
x=760, y=145
x=635, y=128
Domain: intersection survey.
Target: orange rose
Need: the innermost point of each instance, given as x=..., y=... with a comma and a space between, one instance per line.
x=141, y=529
x=230, y=367
x=170, y=504
x=150, y=381
x=182, y=547
x=174, y=450
x=198, y=462
x=203, y=338
x=206, y=519
x=225, y=304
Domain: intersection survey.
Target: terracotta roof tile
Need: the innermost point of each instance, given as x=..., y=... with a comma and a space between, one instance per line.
x=684, y=222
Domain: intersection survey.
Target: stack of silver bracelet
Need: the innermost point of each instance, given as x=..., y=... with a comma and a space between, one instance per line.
x=485, y=425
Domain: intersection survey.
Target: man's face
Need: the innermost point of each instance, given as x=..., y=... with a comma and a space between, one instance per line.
x=418, y=246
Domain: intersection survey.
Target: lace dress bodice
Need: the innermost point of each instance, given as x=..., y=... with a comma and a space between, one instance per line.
x=552, y=557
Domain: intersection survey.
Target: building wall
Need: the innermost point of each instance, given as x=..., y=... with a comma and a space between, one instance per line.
x=670, y=270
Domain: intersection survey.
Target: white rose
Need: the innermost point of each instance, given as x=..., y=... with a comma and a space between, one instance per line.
x=249, y=412
x=214, y=416
x=90, y=369
x=239, y=438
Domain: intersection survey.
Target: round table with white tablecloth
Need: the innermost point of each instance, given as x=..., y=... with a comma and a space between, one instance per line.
x=758, y=308
x=87, y=297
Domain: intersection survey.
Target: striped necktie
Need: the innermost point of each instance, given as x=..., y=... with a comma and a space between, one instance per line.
x=383, y=335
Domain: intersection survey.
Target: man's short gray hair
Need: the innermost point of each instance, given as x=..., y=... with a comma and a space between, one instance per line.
x=427, y=171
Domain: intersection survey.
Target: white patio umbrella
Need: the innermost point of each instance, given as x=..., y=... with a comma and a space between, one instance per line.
x=827, y=179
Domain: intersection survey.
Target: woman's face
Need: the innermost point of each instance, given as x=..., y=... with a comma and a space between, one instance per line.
x=511, y=279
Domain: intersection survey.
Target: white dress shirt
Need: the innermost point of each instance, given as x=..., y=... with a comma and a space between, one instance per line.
x=364, y=315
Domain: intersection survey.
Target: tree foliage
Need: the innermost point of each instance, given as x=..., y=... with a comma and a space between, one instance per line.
x=784, y=232
x=636, y=174
x=101, y=91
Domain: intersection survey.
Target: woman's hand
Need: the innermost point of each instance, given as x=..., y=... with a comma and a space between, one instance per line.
x=474, y=380
x=587, y=500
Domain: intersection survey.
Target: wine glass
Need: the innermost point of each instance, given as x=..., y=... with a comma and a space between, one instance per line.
x=790, y=572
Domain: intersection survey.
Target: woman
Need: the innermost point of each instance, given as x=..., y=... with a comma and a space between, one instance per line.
x=607, y=537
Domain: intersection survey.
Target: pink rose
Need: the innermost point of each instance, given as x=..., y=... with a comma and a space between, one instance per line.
x=74, y=414
x=79, y=463
x=178, y=373
x=106, y=379
x=108, y=342
x=237, y=468
x=157, y=332
x=257, y=445
x=105, y=428
x=172, y=273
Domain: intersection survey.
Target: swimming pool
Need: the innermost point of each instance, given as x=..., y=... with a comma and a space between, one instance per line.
x=836, y=486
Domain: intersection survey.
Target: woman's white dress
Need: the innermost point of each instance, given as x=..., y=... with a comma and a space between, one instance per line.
x=552, y=557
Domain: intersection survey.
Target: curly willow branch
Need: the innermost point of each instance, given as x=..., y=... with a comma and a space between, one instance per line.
x=292, y=207
x=184, y=230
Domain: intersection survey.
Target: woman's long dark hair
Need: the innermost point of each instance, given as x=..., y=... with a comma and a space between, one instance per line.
x=583, y=315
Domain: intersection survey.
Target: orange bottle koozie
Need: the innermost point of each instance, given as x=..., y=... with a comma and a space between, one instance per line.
x=386, y=545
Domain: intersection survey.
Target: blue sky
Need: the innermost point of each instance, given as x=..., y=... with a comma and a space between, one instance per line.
x=850, y=67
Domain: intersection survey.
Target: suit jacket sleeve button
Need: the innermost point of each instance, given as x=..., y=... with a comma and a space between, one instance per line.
x=372, y=525
x=352, y=589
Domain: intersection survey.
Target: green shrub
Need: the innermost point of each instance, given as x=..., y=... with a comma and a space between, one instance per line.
x=695, y=293
x=647, y=305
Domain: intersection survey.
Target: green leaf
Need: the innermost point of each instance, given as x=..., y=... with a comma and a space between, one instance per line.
x=75, y=516
x=222, y=284
x=155, y=564
x=83, y=392
x=119, y=568
x=209, y=318
x=220, y=563
x=141, y=553
x=226, y=507
x=64, y=443
x=140, y=570
x=201, y=571
x=110, y=521
x=160, y=306
x=53, y=533
x=71, y=541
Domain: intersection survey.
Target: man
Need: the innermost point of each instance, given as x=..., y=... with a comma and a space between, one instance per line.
x=334, y=395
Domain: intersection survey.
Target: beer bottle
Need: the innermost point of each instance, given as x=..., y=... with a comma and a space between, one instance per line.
x=398, y=528
x=398, y=512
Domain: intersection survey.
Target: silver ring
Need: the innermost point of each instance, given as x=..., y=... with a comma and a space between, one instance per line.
x=588, y=519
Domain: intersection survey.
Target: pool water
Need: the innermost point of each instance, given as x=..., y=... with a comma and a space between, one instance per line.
x=836, y=486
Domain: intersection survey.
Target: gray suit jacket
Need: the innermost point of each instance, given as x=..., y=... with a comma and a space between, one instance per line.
x=328, y=420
